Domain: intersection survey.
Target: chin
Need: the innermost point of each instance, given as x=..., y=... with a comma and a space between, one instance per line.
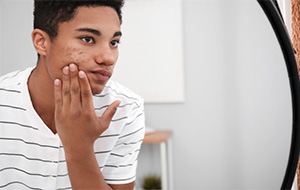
x=97, y=90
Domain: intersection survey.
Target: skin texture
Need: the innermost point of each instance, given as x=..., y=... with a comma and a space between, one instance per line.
x=72, y=67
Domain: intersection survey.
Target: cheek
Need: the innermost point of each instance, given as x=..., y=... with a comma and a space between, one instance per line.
x=77, y=56
x=64, y=57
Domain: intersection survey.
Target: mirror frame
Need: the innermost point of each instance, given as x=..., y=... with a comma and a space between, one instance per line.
x=271, y=10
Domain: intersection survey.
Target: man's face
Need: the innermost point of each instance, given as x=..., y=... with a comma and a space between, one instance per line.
x=90, y=40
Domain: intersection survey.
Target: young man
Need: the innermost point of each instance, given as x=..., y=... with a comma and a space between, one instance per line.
x=64, y=124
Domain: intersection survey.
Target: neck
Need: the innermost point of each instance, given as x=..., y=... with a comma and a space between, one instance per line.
x=41, y=92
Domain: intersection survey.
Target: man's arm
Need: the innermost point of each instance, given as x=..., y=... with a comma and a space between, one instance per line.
x=78, y=127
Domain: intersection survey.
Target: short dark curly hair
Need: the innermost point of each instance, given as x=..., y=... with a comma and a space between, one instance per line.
x=49, y=13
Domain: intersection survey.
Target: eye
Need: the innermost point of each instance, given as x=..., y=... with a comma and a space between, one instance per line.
x=114, y=43
x=88, y=39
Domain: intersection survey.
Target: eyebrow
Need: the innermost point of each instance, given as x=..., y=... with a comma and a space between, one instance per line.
x=90, y=30
x=118, y=34
x=97, y=32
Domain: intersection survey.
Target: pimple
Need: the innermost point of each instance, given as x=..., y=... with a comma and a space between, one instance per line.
x=75, y=55
x=72, y=53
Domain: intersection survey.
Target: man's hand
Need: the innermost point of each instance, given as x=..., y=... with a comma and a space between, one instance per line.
x=76, y=121
x=78, y=127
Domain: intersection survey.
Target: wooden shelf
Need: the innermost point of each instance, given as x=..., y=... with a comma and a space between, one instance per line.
x=157, y=137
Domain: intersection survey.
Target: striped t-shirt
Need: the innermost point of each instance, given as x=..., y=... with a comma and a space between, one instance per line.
x=32, y=157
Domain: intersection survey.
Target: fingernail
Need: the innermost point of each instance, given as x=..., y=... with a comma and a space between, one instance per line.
x=81, y=74
x=66, y=70
x=72, y=67
x=57, y=82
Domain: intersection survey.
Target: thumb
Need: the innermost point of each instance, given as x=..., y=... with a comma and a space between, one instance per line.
x=109, y=113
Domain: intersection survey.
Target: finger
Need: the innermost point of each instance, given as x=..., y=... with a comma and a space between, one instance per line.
x=57, y=95
x=86, y=92
x=109, y=113
x=74, y=88
x=66, y=98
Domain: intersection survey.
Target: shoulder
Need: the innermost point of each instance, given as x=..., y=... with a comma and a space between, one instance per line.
x=12, y=95
x=15, y=78
x=130, y=113
x=120, y=91
x=131, y=103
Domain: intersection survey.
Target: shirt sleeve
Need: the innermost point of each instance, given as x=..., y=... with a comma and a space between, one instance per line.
x=122, y=162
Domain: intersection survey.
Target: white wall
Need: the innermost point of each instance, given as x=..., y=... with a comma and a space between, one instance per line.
x=285, y=9
x=148, y=46
x=17, y=51
x=233, y=130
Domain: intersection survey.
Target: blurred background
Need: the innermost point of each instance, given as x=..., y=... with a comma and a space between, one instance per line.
x=231, y=117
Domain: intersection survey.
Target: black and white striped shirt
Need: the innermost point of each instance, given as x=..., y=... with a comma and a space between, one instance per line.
x=32, y=157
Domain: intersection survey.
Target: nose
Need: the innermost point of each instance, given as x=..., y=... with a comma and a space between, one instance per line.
x=106, y=56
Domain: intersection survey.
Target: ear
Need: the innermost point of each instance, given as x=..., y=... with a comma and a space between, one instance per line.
x=41, y=41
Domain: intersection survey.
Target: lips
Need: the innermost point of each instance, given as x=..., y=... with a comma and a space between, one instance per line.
x=102, y=75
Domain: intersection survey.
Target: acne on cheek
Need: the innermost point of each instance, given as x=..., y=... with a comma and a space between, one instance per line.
x=75, y=55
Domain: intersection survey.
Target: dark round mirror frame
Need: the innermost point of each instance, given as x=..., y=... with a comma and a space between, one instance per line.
x=271, y=10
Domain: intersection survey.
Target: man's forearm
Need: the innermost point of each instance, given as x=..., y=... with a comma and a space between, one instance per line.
x=84, y=171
